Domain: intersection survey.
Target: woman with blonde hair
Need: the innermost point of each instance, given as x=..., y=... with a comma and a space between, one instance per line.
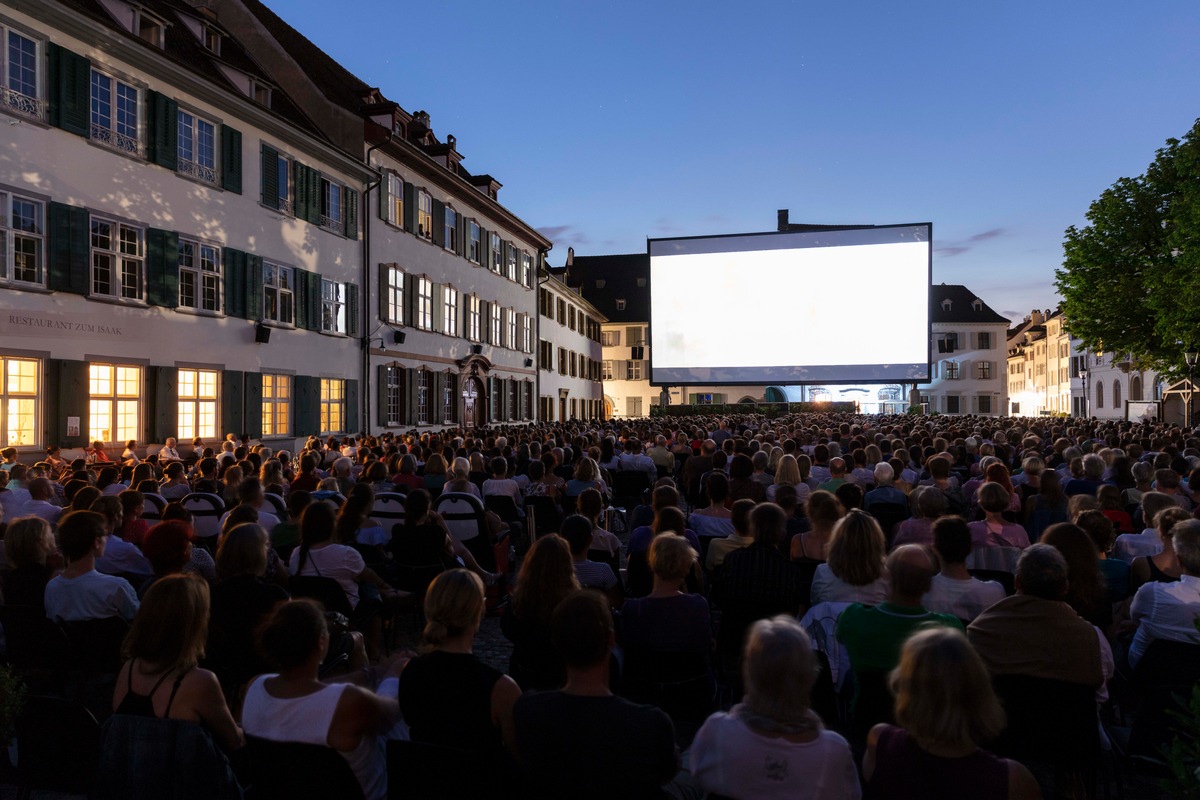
x=160, y=678
x=773, y=744
x=447, y=695
x=853, y=571
x=788, y=474
x=945, y=707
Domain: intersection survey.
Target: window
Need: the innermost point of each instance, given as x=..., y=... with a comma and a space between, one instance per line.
x=984, y=370
x=527, y=408
x=333, y=405
x=449, y=311
x=276, y=405
x=395, y=200
x=526, y=270
x=422, y=397
x=610, y=338
x=571, y=317
x=985, y=404
x=117, y=260
x=281, y=194
x=149, y=29
x=633, y=406
x=497, y=254
x=985, y=340
x=447, y=399
x=424, y=303
x=545, y=355
x=952, y=404
x=114, y=402
x=279, y=289
x=573, y=359
x=20, y=91
x=562, y=361
x=952, y=370
x=512, y=340
x=495, y=326
x=393, y=395
x=425, y=214
x=561, y=307
x=197, y=406
x=635, y=336
x=114, y=114
x=607, y=372
x=18, y=401
x=450, y=231
x=526, y=334
x=1116, y=395
x=22, y=239
x=333, y=307
x=393, y=295
x=475, y=245
x=333, y=211
x=474, y=320
x=633, y=370
x=621, y=307
x=197, y=147
x=199, y=276
x=511, y=269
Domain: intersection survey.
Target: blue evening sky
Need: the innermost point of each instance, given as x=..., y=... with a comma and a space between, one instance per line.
x=612, y=122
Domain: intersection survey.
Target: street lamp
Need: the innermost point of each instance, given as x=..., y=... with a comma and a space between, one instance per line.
x=1190, y=357
x=1083, y=373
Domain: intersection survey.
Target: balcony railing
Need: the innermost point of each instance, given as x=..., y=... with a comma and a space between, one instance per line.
x=117, y=141
x=22, y=104
x=198, y=171
x=331, y=224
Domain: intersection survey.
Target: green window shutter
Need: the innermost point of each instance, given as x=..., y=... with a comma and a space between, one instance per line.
x=270, y=176
x=235, y=282
x=69, y=248
x=439, y=223
x=381, y=395
x=384, y=197
x=352, y=408
x=162, y=268
x=410, y=208
x=308, y=405
x=300, y=187
x=252, y=404
x=231, y=159
x=73, y=393
x=409, y=413
x=300, y=299
x=162, y=114
x=463, y=229
x=352, y=309
x=233, y=383
x=166, y=403
x=410, y=299
x=70, y=90
x=351, y=213
x=485, y=248
x=254, y=287
x=383, y=291
x=314, y=300
x=313, y=196
x=438, y=308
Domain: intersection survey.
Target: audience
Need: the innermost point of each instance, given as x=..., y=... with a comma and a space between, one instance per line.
x=1169, y=609
x=547, y=576
x=953, y=591
x=854, y=571
x=81, y=592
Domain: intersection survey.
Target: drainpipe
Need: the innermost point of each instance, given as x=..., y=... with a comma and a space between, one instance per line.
x=365, y=341
x=537, y=359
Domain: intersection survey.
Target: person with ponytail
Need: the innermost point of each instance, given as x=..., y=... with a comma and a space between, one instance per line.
x=447, y=695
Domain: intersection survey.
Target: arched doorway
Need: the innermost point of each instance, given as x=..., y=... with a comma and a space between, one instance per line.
x=473, y=402
x=1135, y=388
x=608, y=407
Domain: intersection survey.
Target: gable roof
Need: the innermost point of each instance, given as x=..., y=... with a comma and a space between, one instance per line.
x=962, y=306
x=603, y=280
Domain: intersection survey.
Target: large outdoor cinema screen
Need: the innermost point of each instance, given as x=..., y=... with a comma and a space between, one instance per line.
x=836, y=305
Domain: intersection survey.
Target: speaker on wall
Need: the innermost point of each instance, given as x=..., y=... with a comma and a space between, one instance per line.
x=477, y=349
x=638, y=353
x=529, y=362
x=262, y=334
x=398, y=337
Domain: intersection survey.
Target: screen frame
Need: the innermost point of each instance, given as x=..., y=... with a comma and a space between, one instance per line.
x=928, y=376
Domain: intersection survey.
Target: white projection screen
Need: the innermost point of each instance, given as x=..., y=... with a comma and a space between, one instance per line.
x=836, y=305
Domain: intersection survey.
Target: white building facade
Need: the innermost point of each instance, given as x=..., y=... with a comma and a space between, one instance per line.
x=569, y=354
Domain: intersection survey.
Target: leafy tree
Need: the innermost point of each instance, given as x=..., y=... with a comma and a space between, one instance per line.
x=1130, y=279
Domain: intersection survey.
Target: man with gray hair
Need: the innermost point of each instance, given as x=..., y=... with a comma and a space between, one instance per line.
x=1092, y=480
x=1169, y=610
x=884, y=491
x=1034, y=633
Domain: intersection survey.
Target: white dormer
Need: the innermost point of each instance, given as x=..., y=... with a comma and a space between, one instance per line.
x=977, y=304
x=946, y=304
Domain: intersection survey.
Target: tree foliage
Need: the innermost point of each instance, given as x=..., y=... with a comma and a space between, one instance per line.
x=1130, y=279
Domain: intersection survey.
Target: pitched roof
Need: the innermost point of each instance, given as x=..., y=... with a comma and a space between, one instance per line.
x=603, y=280
x=964, y=305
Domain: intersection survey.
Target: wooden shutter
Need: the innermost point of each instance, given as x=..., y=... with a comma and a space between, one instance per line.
x=166, y=402
x=381, y=395
x=301, y=300
x=307, y=402
x=232, y=386
x=235, y=282
x=439, y=223
x=352, y=409
x=410, y=207
x=485, y=248
x=439, y=309
x=464, y=228
x=69, y=249
x=385, y=179
x=352, y=307
x=410, y=299
x=252, y=391
x=73, y=394
x=314, y=300
x=162, y=268
x=351, y=213
x=231, y=161
x=408, y=393
x=270, y=176
x=253, y=279
x=70, y=90
x=163, y=117
x=485, y=322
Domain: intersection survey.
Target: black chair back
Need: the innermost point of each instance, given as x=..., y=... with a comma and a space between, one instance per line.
x=289, y=771
x=679, y=683
x=1164, y=678
x=422, y=771
x=97, y=643
x=546, y=516
x=873, y=703
x=58, y=746
x=34, y=642
x=503, y=505
x=326, y=591
x=629, y=488
x=889, y=516
x=1049, y=722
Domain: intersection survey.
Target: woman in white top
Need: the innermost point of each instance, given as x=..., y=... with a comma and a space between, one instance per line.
x=772, y=744
x=295, y=706
x=854, y=570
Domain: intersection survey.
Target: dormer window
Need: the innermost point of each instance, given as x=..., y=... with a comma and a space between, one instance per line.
x=621, y=305
x=260, y=93
x=600, y=283
x=946, y=304
x=977, y=304
x=212, y=40
x=641, y=282
x=150, y=29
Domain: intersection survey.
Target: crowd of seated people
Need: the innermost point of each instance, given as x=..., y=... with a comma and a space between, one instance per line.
x=1066, y=549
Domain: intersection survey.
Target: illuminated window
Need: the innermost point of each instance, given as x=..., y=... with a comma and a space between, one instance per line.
x=394, y=395
x=393, y=295
x=424, y=214
x=18, y=401
x=448, y=398
x=197, y=404
x=424, y=319
x=395, y=201
x=495, y=327
x=114, y=402
x=511, y=266
x=449, y=311
x=333, y=306
x=512, y=329
x=276, y=405
x=333, y=405
x=474, y=319
x=497, y=254
x=526, y=270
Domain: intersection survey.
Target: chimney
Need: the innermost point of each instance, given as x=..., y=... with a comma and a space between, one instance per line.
x=570, y=257
x=782, y=219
